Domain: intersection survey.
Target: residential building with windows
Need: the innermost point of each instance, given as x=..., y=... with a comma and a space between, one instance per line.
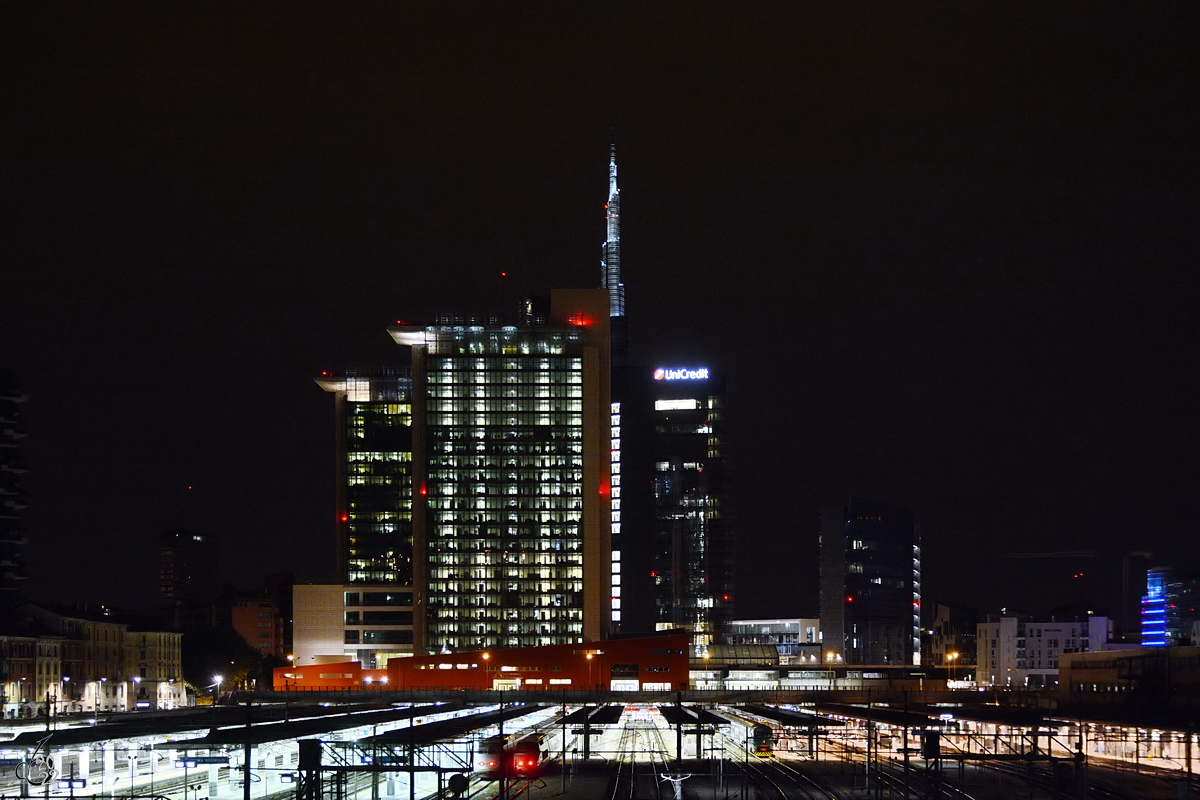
x=952, y=637
x=89, y=660
x=1020, y=653
x=259, y=622
x=189, y=572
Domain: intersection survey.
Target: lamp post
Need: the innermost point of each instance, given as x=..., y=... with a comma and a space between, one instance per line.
x=953, y=659
x=830, y=657
x=589, y=663
x=217, y=689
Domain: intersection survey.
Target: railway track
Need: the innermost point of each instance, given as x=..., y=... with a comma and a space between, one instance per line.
x=637, y=778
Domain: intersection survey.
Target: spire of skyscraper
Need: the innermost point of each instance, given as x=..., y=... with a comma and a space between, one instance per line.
x=610, y=260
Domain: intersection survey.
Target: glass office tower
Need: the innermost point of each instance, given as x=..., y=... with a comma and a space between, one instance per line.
x=513, y=475
x=870, y=584
x=673, y=554
x=692, y=565
x=374, y=481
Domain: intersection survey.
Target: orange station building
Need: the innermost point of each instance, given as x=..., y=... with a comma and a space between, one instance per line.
x=658, y=663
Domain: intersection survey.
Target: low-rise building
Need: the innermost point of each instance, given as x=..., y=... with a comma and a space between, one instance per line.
x=1161, y=682
x=797, y=640
x=260, y=623
x=1014, y=652
x=88, y=660
x=352, y=622
x=658, y=663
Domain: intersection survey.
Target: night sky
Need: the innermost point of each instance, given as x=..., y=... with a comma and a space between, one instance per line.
x=945, y=252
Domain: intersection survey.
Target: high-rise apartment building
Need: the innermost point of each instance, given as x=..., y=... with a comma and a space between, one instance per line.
x=870, y=584
x=189, y=568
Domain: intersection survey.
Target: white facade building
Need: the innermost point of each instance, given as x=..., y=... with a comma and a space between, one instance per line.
x=1021, y=653
x=351, y=622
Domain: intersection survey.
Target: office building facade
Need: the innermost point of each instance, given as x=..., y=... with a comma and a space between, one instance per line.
x=374, y=494
x=513, y=475
x=490, y=479
x=797, y=640
x=368, y=616
x=870, y=559
x=673, y=555
x=1169, y=610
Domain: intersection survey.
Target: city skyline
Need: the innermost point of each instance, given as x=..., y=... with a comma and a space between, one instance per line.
x=967, y=290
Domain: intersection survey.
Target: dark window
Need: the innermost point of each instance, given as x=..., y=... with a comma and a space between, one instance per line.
x=351, y=598
x=351, y=617
x=624, y=670
x=386, y=599
x=387, y=618
x=387, y=637
x=351, y=637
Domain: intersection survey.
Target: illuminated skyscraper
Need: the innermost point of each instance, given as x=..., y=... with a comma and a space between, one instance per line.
x=673, y=537
x=692, y=564
x=1170, y=608
x=610, y=259
x=368, y=614
x=373, y=502
x=870, y=584
x=483, y=485
x=511, y=508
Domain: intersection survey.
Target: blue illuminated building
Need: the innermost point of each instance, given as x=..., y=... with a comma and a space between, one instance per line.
x=1169, y=615
x=1155, y=607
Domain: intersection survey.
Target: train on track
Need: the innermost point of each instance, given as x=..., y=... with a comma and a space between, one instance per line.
x=512, y=757
x=762, y=740
x=748, y=732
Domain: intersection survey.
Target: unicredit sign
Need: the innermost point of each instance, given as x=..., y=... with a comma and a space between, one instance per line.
x=661, y=374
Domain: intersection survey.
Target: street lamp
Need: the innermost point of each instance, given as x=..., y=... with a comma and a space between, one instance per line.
x=953, y=659
x=217, y=688
x=589, y=663
x=830, y=657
